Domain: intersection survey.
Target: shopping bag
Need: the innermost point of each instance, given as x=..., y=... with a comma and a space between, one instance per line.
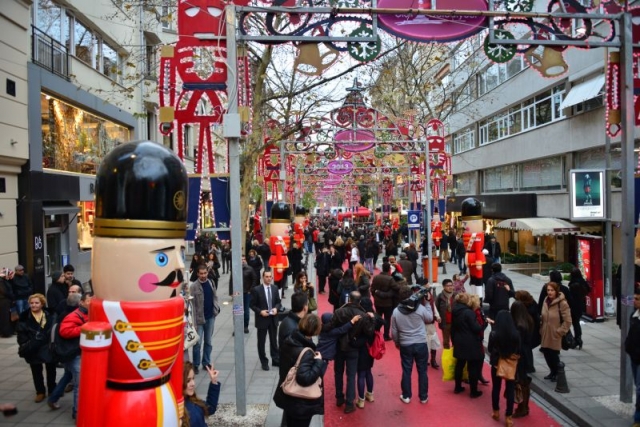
x=449, y=366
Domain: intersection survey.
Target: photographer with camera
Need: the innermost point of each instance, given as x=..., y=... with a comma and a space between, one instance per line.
x=410, y=336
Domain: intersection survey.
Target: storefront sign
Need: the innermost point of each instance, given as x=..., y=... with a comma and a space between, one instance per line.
x=586, y=188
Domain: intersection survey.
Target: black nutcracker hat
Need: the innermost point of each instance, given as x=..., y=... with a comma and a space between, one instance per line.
x=301, y=211
x=281, y=212
x=141, y=191
x=471, y=209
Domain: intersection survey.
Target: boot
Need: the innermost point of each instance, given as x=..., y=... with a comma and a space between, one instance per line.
x=495, y=415
x=523, y=407
x=368, y=396
x=434, y=364
x=508, y=421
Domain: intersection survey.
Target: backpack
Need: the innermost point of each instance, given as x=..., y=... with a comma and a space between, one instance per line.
x=62, y=349
x=377, y=348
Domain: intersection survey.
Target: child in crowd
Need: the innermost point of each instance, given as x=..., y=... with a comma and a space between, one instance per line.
x=328, y=338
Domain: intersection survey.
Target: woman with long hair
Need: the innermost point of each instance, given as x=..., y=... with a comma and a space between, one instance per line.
x=363, y=283
x=297, y=411
x=524, y=324
x=555, y=323
x=346, y=285
x=213, y=266
x=532, y=308
x=34, y=330
x=302, y=285
x=196, y=410
x=504, y=341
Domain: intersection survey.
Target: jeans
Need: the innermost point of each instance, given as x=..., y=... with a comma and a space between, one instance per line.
x=462, y=266
x=365, y=377
x=74, y=368
x=206, y=333
x=246, y=300
x=420, y=354
x=496, y=385
x=635, y=369
x=22, y=305
x=385, y=313
x=58, y=392
x=350, y=359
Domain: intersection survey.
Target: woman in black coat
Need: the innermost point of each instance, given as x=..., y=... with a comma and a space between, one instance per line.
x=335, y=259
x=525, y=326
x=504, y=341
x=297, y=411
x=467, y=344
x=34, y=330
x=334, y=282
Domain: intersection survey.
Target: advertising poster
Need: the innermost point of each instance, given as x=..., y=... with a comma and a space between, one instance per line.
x=587, y=194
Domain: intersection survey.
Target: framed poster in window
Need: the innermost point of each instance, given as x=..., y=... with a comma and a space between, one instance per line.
x=586, y=189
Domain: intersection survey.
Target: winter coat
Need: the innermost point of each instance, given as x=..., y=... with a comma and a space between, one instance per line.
x=443, y=306
x=335, y=260
x=465, y=334
x=383, y=283
x=309, y=370
x=564, y=290
x=323, y=264
x=249, y=278
x=632, y=342
x=334, y=283
x=256, y=264
x=287, y=326
x=551, y=330
x=33, y=339
x=195, y=290
x=496, y=294
x=57, y=292
x=362, y=330
x=22, y=286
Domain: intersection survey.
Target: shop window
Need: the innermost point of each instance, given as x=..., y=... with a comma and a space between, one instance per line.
x=85, y=225
x=74, y=140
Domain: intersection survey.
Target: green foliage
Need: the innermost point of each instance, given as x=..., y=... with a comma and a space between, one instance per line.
x=509, y=258
x=308, y=200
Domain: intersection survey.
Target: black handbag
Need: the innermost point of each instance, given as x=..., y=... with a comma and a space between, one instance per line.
x=568, y=341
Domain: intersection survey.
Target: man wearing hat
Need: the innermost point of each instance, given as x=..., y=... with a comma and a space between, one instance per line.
x=133, y=342
x=22, y=288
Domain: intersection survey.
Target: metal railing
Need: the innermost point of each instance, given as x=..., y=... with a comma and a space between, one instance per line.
x=49, y=53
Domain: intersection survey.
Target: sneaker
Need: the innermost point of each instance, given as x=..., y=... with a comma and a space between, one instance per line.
x=360, y=403
x=405, y=399
x=423, y=401
x=368, y=396
x=53, y=405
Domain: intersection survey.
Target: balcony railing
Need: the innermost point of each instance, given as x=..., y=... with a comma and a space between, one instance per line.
x=49, y=53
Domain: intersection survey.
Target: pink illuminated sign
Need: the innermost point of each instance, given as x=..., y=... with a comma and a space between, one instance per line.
x=340, y=167
x=355, y=140
x=433, y=28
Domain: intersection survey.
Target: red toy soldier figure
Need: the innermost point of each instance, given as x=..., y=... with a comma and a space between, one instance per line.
x=132, y=346
x=298, y=225
x=279, y=240
x=436, y=229
x=473, y=239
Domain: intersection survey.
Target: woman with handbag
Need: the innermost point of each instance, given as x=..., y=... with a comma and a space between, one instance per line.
x=504, y=349
x=298, y=411
x=302, y=285
x=34, y=330
x=525, y=326
x=555, y=323
x=467, y=344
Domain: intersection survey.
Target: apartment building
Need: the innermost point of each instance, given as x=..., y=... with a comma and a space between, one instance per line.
x=516, y=136
x=80, y=80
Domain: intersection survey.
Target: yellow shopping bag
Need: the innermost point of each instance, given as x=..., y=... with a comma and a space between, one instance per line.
x=449, y=366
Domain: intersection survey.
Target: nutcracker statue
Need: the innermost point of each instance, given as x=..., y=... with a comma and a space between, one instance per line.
x=279, y=240
x=299, y=224
x=132, y=346
x=436, y=229
x=473, y=239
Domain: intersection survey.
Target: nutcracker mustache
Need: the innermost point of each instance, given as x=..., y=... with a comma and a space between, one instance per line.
x=170, y=280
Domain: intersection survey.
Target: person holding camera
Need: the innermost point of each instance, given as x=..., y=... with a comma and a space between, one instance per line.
x=34, y=329
x=410, y=337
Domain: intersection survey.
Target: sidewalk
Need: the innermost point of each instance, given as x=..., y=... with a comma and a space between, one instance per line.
x=592, y=373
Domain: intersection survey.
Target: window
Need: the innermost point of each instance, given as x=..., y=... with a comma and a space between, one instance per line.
x=85, y=43
x=111, y=62
x=167, y=19
x=52, y=20
x=151, y=62
x=500, y=179
x=465, y=183
x=498, y=74
x=464, y=140
x=542, y=174
x=74, y=140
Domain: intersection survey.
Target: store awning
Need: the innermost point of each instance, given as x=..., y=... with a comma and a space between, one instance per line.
x=540, y=226
x=583, y=92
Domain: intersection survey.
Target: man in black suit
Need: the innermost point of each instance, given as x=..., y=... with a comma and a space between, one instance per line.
x=265, y=303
